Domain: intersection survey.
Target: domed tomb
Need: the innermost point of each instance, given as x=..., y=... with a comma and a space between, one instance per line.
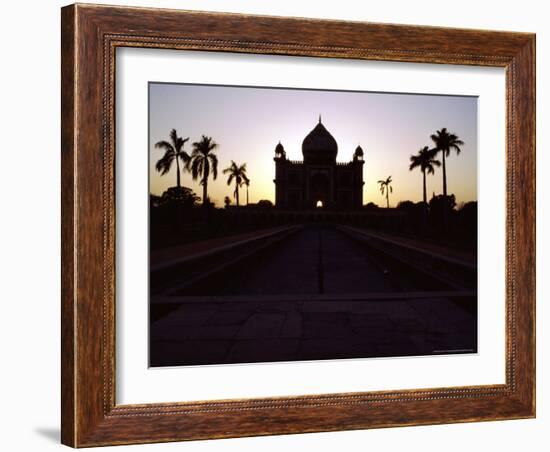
x=319, y=146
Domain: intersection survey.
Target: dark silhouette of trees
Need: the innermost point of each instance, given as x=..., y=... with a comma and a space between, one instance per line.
x=202, y=162
x=236, y=173
x=445, y=142
x=154, y=201
x=265, y=204
x=406, y=205
x=385, y=187
x=176, y=196
x=173, y=152
x=441, y=210
x=425, y=160
x=227, y=201
x=371, y=206
x=467, y=221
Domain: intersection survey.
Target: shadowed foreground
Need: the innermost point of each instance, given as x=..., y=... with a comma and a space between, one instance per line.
x=318, y=293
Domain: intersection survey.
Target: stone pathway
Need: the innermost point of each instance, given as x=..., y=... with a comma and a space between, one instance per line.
x=355, y=307
x=220, y=333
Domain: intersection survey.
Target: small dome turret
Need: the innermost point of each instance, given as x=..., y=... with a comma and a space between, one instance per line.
x=280, y=151
x=358, y=154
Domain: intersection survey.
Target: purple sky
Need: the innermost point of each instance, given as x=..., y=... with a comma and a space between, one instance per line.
x=247, y=123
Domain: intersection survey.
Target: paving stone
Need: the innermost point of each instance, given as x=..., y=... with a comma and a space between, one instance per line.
x=185, y=317
x=438, y=310
x=250, y=306
x=229, y=317
x=404, y=348
x=374, y=320
x=408, y=324
x=382, y=307
x=452, y=342
x=277, y=306
x=330, y=348
x=175, y=353
x=373, y=334
x=261, y=350
x=292, y=326
x=184, y=332
x=262, y=325
x=325, y=325
x=327, y=306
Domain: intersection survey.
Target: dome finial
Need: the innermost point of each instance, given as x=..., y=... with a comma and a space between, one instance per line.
x=319, y=118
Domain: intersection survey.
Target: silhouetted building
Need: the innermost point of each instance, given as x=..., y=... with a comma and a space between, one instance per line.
x=318, y=180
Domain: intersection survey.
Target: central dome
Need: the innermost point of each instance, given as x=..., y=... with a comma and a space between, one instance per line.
x=319, y=146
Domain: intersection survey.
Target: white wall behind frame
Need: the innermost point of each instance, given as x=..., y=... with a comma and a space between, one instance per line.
x=29, y=238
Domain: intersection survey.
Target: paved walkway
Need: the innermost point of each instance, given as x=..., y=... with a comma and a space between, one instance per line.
x=339, y=320
x=165, y=255
x=240, y=332
x=463, y=256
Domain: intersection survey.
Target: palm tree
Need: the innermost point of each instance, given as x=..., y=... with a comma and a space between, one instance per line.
x=247, y=183
x=173, y=151
x=202, y=161
x=425, y=160
x=385, y=186
x=444, y=143
x=237, y=173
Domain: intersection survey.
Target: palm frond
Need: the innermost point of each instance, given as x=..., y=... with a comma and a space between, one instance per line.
x=214, y=159
x=180, y=143
x=174, y=137
x=456, y=146
x=231, y=168
x=184, y=156
x=165, y=163
x=164, y=145
x=196, y=167
x=415, y=161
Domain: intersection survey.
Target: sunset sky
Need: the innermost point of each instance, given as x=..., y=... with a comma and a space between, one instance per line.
x=247, y=123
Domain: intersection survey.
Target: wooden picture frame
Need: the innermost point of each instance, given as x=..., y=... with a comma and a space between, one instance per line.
x=90, y=36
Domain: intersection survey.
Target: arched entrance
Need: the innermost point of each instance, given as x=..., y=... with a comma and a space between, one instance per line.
x=319, y=189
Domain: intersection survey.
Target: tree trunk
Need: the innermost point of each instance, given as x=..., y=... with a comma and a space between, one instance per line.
x=444, y=175
x=247, y=195
x=205, y=175
x=204, y=191
x=388, y=198
x=424, y=187
x=237, y=194
x=178, y=171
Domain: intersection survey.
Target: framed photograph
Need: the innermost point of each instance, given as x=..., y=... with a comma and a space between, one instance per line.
x=281, y=225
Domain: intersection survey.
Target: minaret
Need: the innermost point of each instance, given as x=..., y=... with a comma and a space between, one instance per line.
x=280, y=175
x=358, y=162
